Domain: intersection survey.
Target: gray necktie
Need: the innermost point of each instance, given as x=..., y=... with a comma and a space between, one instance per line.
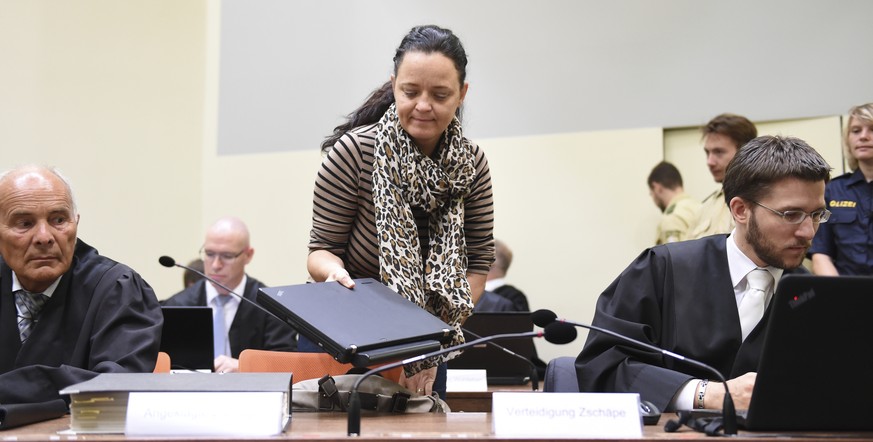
x=219, y=328
x=754, y=302
x=29, y=307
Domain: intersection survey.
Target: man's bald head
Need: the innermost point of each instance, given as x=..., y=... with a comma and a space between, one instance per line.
x=227, y=251
x=38, y=225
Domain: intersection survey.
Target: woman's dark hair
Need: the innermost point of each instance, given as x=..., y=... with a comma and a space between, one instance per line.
x=427, y=39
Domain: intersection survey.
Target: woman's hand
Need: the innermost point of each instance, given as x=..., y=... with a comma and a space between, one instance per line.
x=341, y=276
x=421, y=382
x=324, y=266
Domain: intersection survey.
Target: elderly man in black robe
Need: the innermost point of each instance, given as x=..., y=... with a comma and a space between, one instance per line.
x=66, y=313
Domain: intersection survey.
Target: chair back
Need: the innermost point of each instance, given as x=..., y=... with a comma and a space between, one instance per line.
x=561, y=375
x=163, y=363
x=303, y=365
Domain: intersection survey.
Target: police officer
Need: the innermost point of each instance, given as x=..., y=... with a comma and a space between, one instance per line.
x=680, y=211
x=844, y=245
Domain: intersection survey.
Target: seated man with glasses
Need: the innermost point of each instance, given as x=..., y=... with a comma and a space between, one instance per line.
x=707, y=298
x=237, y=325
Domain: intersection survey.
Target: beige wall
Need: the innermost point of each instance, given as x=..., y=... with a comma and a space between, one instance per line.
x=575, y=209
x=271, y=192
x=111, y=92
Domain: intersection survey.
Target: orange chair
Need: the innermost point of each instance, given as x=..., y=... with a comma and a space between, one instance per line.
x=163, y=363
x=303, y=365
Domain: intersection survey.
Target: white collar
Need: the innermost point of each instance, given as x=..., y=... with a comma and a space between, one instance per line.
x=740, y=265
x=492, y=284
x=212, y=293
x=16, y=285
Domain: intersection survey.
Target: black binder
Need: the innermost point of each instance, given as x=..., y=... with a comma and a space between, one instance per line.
x=16, y=415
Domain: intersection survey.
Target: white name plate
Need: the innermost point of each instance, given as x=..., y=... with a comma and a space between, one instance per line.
x=205, y=414
x=467, y=380
x=574, y=415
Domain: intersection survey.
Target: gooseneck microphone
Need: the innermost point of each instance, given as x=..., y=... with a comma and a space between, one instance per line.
x=729, y=416
x=534, y=376
x=167, y=261
x=556, y=333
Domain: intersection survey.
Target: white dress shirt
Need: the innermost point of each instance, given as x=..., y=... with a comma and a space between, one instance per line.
x=739, y=266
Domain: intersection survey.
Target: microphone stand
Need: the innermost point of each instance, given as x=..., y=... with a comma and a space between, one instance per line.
x=556, y=333
x=167, y=261
x=729, y=415
x=534, y=376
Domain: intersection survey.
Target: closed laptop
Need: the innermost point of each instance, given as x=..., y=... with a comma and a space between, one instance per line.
x=365, y=325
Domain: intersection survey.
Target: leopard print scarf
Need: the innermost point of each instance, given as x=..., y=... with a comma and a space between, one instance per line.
x=402, y=178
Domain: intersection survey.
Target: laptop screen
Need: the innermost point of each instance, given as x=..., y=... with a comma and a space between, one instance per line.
x=187, y=337
x=816, y=366
x=501, y=367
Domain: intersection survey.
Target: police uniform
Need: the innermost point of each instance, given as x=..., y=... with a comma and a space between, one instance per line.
x=678, y=219
x=715, y=217
x=847, y=237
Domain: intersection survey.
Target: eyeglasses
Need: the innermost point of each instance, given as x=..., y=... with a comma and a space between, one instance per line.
x=797, y=216
x=225, y=257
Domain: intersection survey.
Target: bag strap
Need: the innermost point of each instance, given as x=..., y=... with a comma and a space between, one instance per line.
x=330, y=398
x=712, y=426
x=328, y=395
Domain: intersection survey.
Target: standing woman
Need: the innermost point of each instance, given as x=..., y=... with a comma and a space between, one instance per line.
x=844, y=245
x=404, y=198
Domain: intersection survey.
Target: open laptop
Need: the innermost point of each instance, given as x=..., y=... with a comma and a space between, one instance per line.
x=187, y=337
x=362, y=326
x=501, y=367
x=816, y=367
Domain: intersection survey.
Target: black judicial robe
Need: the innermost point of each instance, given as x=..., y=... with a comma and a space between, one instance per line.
x=492, y=302
x=103, y=317
x=251, y=327
x=678, y=297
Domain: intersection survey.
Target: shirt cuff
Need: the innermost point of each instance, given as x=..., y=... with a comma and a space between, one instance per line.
x=684, y=399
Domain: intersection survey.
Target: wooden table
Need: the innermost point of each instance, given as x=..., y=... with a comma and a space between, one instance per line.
x=327, y=427
x=479, y=401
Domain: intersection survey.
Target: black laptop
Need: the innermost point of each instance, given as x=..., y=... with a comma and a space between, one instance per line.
x=187, y=337
x=363, y=326
x=816, y=367
x=501, y=367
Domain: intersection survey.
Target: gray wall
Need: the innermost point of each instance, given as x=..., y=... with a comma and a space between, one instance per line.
x=291, y=69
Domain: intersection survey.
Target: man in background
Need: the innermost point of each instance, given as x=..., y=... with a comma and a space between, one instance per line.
x=66, y=312
x=190, y=278
x=679, y=211
x=723, y=137
x=237, y=325
x=492, y=302
x=496, y=282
